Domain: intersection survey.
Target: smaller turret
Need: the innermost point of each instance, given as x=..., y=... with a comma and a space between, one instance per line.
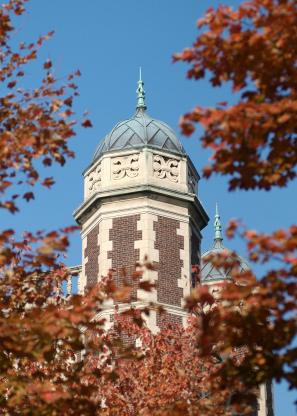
x=209, y=273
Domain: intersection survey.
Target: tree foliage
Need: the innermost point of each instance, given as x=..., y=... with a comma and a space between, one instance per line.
x=253, y=49
x=56, y=356
x=165, y=375
x=35, y=124
x=41, y=331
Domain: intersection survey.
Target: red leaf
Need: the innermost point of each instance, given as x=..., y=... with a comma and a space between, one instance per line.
x=146, y=286
x=11, y=84
x=70, y=229
x=28, y=195
x=68, y=101
x=87, y=123
x=48, y=64
x=47, y=161
x=7, y=233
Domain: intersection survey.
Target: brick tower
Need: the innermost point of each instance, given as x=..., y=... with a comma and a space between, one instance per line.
x=140, y=200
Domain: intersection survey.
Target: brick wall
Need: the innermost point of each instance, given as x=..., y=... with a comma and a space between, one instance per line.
x=163, y=319
x=169, y=244
x=195, y=255
x=118, y=330
x=92, y=252
x=124, y=256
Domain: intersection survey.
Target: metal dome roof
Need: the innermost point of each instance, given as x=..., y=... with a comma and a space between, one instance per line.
x=141, y=130
x=210, y=273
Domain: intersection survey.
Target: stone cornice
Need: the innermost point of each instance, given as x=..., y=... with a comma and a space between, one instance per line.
x=96, y=199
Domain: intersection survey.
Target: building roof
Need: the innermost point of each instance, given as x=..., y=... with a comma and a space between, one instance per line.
x=210, y=273
x=139, y=131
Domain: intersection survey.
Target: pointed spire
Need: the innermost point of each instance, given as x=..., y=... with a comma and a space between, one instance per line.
x=218, y=237
x=140, y=93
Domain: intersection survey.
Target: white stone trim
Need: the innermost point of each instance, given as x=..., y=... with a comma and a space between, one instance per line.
x=262, y=401
x=105, y=264
x=145, y=171
x=82, y=280
x=151, y=320
x=134, y=206
x=148, y=253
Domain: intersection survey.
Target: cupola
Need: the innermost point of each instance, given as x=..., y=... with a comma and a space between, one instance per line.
x=141, y=130
x=210, y=273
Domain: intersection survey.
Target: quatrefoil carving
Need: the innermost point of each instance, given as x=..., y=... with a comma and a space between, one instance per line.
x=166, y=168
x=125, y=166
x=94, y=180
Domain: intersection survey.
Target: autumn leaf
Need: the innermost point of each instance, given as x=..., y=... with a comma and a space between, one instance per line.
x=11, y=84
x=28, y=195
x=240, y=47
x=146, y=285
x=122, y=294
x=48, y=182
x=87, y=123
x=48, y=64
x=68, y=101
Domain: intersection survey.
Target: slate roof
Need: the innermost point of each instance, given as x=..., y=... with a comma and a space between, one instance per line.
x=139, y=131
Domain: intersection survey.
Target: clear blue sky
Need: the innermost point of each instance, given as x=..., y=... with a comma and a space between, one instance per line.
x=108, y=40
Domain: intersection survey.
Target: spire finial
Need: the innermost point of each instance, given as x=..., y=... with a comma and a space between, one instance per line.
x=218, y=237
x=140, y=93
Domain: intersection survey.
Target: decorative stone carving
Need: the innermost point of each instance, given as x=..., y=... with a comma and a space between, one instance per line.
x=125, y=166
x=165, y=167
x=94, y=180
x=192, y=183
